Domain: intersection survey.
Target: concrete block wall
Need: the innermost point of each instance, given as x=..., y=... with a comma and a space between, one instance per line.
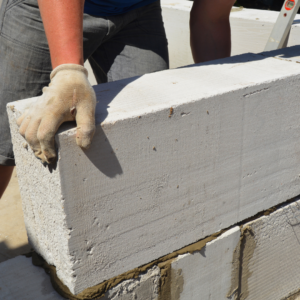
x=270, y=254
x=256, y=260
x=174, y=155
x=250, y=29
x=21, y=280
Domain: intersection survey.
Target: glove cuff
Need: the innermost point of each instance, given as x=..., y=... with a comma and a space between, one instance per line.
x=64, y=67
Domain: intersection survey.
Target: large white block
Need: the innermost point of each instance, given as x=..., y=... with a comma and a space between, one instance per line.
x=250, y=30
x=205, y=274
x=271, y=265
x=21, y=280
x=177, y=156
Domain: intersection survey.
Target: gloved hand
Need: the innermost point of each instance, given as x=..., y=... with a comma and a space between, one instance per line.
x=68, y=97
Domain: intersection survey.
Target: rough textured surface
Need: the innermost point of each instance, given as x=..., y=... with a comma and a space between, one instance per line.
x=267, y=251
x=13, y=236
x=20, y=280
x=145, y=287
x=177, y=157
x=273, y=269
x=250, y=30
x=205, y=274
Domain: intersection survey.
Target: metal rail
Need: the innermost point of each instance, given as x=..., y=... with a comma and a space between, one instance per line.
x=282, y=27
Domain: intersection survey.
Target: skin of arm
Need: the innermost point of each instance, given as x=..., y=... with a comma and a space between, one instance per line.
x=69, y=95
x=63, y=23
x=210, y=29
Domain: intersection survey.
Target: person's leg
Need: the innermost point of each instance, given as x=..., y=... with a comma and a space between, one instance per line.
x=25, y=67
x=94, y=32
x=210, y=29
x=137, y=45
x=5, y=175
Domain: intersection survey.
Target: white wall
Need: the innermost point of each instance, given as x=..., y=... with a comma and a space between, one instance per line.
x=228, y=149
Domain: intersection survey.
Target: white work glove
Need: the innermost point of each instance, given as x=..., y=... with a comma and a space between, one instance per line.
x=68, y=97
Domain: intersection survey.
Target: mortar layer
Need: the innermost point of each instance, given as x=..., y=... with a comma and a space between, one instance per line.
x=99, y=291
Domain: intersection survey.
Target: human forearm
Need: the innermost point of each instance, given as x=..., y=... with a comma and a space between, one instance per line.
x=63, y=23
x=69, y=96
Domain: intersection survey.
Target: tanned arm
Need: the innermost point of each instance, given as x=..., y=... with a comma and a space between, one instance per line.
x=63, y=23
x=69, y=96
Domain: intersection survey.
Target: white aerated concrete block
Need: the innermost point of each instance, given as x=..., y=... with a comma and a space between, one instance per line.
x=145, y=287
x=206, y=274
x=273, y=271
x=177, y=156
x=250, y=30
x=21, y=280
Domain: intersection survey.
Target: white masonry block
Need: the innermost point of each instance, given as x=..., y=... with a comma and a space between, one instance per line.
x=206, y=273
x=271, y=265
x=177, y=156
x=21, y=280
x=145, y=287
x=250, y=30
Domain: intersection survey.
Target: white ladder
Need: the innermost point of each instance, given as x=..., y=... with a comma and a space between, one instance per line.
x=280, y=33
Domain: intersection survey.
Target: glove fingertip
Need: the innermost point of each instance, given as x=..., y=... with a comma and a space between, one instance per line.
x=83, y=143
x=84, y=136
x=20, y=120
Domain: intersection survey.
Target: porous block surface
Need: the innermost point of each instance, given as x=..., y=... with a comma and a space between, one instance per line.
x=21, y=280
x=145, y=287
x=258, y=261
x=177, y=156
x=205, y=274
x=272, y=269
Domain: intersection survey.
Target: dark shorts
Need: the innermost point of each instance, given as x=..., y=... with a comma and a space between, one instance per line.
x=117, y=47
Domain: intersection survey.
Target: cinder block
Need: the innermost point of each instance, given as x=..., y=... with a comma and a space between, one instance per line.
x=250, y=30
x=271, y=250
x=205, y=274
x=177, y=156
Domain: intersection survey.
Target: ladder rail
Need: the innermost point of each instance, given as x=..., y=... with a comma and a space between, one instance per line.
x=281, y=29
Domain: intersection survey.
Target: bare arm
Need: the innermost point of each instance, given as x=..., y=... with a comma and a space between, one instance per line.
x=210, y=29
x=63, y=23
x=69, y=96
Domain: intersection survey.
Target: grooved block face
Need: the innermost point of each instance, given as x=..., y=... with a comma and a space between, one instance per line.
x=177, y=156
x=272, y=272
